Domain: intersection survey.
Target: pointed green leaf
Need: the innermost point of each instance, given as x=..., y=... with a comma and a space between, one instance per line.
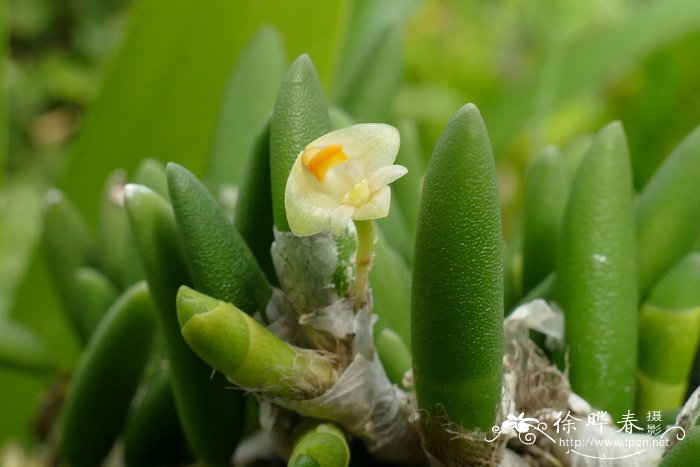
x=299, y=117
x=253, y=212
x=106, y=379
x=68, y=245
x=390, y=280
x=407, y=189
x=153, y=435
x=97, y=294
x=219, y=261
x=114, y=233
x=596, y=284
x=546, y=193
x=457, y=302
x=668, y=212
x=212, y=416
x=22, y=350
x=394, y=354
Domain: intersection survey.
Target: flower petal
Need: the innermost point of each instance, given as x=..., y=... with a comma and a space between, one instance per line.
x=386, y=175
x=522, y=427
x=374, y=144
x=319, y=198
x=340, y=218
x=309, y=211
x=375, y=208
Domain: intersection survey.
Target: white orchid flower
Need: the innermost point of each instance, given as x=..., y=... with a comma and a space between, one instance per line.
x=342, y=176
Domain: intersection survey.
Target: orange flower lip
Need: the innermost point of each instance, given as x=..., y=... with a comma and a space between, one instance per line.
x=320, y=161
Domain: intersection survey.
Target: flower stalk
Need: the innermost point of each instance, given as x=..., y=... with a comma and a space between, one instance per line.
x=363, y=261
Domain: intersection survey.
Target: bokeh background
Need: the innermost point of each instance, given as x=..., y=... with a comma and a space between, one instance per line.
x=93, y=85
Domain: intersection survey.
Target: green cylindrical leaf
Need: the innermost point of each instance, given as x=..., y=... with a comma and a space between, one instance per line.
x=219, y=261
x=68, y=245
x=114, y=233
x=669, y=333
x=546, y=193
x=153, y=435
x=685, y=452
x=300, y=116
x=246, y=103
x=322, y=445
x=390, y=280
x=668, y=213
x=574, y=152
x=596, y=283
x=246, y=352
x=407, y=189
x=512, y=269
x=679, y=289
x=106, y=379
x=97, y=293
x=394, y=227
x=21, y=349
x=544, y=290
x=339, y=118
x=395, y=356
x=457, y=303
x=212, y=416
x=253, y=212
x=151, y=174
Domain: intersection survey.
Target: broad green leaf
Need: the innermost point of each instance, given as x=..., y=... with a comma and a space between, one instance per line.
x=367, y=22
x=588, y=61
x=20, y=224
x=247, y=102
x=162, y=95
x=35, y=306
x=371, y=97
x=4, y=45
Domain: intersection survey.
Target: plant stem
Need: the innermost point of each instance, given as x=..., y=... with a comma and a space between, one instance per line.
x=363, y=260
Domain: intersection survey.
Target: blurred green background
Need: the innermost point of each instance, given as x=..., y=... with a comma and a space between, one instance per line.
x=93, y=85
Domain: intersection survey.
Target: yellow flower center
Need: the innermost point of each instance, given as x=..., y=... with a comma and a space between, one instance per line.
x=320, y=160
x=359, y=194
